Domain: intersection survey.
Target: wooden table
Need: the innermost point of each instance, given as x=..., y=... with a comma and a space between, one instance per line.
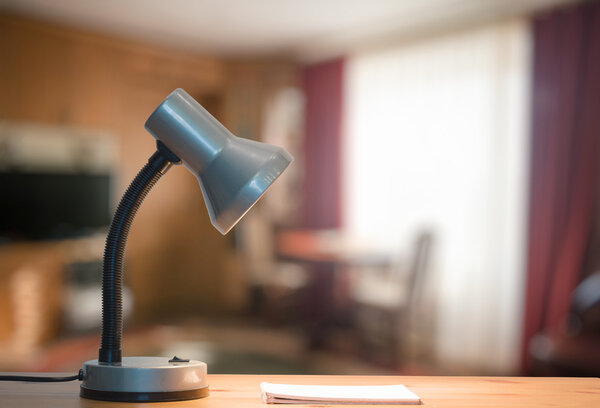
x=325, y=253
x=328, y=246
x=243, y=391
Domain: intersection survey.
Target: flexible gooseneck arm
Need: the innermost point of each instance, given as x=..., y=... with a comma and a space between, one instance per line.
x=112, y=268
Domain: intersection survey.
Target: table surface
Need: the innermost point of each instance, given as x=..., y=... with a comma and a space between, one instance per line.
x=242, y=391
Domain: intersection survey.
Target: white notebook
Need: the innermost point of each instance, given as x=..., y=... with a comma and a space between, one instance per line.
x=337, y=394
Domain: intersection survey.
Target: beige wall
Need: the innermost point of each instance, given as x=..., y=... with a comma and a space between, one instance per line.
x=176, y=262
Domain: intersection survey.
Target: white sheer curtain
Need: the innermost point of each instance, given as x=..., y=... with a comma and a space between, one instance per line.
x=436, y=137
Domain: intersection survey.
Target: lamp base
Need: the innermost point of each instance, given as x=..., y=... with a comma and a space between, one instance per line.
x=145, y=379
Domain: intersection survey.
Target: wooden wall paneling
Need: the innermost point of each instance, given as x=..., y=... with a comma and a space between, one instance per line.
x=62, y=76
x=177, y=264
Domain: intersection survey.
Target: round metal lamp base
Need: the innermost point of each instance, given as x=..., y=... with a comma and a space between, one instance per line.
x=145, y=379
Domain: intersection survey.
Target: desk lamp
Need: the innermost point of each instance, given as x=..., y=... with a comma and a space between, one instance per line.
x=233, y=174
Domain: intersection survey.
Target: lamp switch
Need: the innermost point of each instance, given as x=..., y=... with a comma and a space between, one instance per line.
x=176, y=359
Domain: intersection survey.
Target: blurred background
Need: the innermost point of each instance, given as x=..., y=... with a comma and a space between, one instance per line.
x=440, y=217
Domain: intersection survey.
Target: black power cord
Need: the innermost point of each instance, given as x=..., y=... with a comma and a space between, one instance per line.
x=29, y=378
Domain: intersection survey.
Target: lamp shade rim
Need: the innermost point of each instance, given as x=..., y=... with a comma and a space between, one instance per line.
x=249, y=194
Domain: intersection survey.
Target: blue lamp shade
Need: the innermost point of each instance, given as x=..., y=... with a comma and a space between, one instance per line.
x=233, y=172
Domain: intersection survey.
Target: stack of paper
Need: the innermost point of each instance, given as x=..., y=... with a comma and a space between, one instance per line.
x=337, y=394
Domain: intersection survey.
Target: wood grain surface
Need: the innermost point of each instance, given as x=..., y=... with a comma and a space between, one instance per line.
x=242, y=391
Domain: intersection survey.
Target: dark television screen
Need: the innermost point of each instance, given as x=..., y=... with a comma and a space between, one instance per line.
x=39, y=206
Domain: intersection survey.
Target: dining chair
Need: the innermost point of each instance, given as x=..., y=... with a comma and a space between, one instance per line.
x=385, y=302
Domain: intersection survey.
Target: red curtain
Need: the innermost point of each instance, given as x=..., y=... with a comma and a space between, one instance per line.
x=564, y=156
x=323, y=88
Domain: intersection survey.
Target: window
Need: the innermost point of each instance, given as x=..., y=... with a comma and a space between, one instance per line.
x=436, y=138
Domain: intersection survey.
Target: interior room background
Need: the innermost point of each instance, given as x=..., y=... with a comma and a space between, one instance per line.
x=441, y=215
